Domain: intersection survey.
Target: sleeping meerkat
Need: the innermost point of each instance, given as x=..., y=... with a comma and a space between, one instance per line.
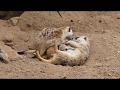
x=77, y=55
x=48, y=37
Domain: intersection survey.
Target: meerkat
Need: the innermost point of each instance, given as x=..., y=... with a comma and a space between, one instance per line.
x=77, y=55
x=48, y=37
x=58, y=35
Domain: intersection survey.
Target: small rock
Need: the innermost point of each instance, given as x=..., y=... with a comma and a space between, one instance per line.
x=64, y=77
x=109, y=74
x=118, y=51
x=14, y=20
x=3, y=56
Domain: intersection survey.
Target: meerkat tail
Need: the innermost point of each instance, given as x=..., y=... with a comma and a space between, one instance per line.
x=42, y=59
x=30, y=51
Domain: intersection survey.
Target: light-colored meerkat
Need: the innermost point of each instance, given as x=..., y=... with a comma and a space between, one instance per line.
x=48, y=37
x=77, y=55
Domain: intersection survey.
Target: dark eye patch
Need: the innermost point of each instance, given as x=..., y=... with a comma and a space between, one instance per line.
x=76, y=37
x=69, y=29
x=85, y=38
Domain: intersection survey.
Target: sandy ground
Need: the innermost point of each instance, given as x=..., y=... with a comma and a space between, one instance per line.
x=103, y=29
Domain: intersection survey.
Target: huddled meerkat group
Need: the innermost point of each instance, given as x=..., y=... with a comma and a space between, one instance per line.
x=59, y=46
x=74, y=52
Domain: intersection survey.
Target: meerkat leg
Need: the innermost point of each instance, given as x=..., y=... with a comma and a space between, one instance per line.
x=73, y=44
x=45, y=46
x=56, y=46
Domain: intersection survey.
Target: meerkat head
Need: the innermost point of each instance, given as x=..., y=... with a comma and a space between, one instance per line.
x=67, y=32
x=63, y=31
x=62, y=47
x=82, y=39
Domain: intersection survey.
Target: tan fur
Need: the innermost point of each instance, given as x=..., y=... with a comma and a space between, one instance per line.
x=76, y=56
x=51, y=50
x=3, y=56
x=49, y=38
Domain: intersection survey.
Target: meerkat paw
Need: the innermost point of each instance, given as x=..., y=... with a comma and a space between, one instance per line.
x=72, y=43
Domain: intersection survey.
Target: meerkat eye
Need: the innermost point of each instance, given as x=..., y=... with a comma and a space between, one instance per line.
x=85, y=38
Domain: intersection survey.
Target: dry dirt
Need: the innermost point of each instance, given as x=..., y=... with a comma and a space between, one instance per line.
x=103, y=29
